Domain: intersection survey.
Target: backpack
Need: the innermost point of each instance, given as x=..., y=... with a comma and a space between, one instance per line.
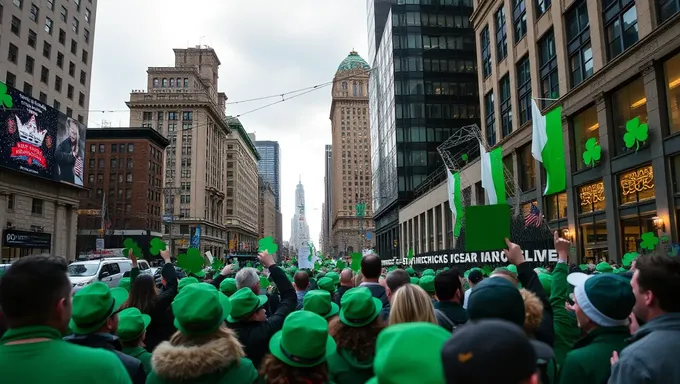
x=442, y=316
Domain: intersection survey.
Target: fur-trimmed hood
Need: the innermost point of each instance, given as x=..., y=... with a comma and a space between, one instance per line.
x=178, y=363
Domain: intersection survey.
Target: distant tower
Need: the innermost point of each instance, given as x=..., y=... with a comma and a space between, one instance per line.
x=299, y=228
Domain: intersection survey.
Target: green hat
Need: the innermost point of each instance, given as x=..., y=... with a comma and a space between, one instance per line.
x=131, y=324
x=512, y=268
x=200, y=274
x=359, y=307
x=326, y=283
x=604, y=267
x=319, y=302
x=183, y=282
x=428, y=272
x=607, y=299
x=303, y=341
x=496, y=298
x=335, y=277
x=244, y=303
x=427, y=283
x=409, y=353
x=94, y=305
x=411, y=272
x=546, y=282
x=415, y=280
x=228, y=286
x=200, y=309
x=125, y=283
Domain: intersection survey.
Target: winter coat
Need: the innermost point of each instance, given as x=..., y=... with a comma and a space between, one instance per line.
x=341, y=291
x=651, y=355
x=217, y=361
x=529, y=280
x=134, y=367
x=589, y=361
x=254, y=336
x=378, y=291
x=565, y=326
x=450, y=315
x=140, y=354
x=344, y=368
x=56, y=361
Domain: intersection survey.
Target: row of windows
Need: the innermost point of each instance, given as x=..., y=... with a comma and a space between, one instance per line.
x=172, y=116
x=418, y=64
x=455, y=3
x=428, y=42
x=114, y=148
x=170, y=83
x=436, y=111
x=418, y=19
x=418, y=87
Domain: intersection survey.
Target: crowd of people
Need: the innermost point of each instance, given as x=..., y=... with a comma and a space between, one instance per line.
x=282, y=325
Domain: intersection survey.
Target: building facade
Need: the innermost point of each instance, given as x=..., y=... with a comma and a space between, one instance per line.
x=326, y=228
x=614, y=68
x=266, y=210
x=241, y=219
x=299, y=229
x=350, y=159
x=422, y=88
x=269, y=166
x=183, y=104
x=124, y=175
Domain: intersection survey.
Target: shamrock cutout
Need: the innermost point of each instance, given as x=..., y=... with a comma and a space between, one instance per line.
x=636, y=133
x=267, y=244
x=131, y=245
x=409, y=255
x=628, y=258
x=264, y=282
x=464, y=157
x=649, y=241
x=356, y=261
x=583, y=267
x=217, y=264
x=192, y=261
x=487, y=270
x=5, y=98
x=157, y=245
x=592, y=153
x=340, y=265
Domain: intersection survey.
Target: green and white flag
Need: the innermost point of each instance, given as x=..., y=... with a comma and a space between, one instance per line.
x=548, y=147
x=455, y=201
x=493, y=178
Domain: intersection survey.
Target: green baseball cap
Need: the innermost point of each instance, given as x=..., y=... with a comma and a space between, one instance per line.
x=94, y=305
x=359, y=307
x=409, y=353
x=228, y=286
x=427, y=283
x=185, y=282
x=319, y=302
x=326, y=283
x=334, y=276
x=411, y=272
x=200, y=309
x=303, y=341
x=604, y=267
x=428, y=272
x=125, y=283
x=131, y=324
x=244, y=303
x=415, y=280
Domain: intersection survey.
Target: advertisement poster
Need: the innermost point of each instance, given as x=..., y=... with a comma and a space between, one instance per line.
x=196, y=237
x=38, y=140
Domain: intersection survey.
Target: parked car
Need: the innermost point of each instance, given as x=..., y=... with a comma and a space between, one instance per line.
x=106, y=270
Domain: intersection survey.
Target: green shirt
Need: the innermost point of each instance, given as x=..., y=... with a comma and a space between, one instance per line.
x=56, y=361
x=589, y=361
x=343, y=368
x=142, y=355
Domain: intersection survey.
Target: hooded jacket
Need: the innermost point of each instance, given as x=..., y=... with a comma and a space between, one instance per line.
x=217, y=361
x=110, y=342
x=344, y=368
x=589, y=361
x=650, y=355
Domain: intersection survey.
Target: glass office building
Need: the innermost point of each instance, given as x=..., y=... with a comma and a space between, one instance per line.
x=423, y=87
x=269, y=166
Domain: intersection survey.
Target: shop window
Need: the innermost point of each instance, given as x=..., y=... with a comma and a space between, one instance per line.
x=594, y=241
x=556, y=206
x=628, y=103
x=591, y=198
x=585, y=126
x=632, y=229
x=620, y=20
x=672, y=75
x=637, y=185
x=527, y=178
x=578, y=43
x=666, y=9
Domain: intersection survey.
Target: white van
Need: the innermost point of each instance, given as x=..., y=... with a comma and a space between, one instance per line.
x=107, y=270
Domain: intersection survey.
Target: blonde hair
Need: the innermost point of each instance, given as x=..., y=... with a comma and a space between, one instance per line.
x=410, y=304
x=534, y=311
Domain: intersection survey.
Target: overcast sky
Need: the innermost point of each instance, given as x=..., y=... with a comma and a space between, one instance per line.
x=266, y=47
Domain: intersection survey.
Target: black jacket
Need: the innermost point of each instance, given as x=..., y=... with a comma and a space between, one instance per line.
x=255, y=335
x=65, y=161
x=134, y=367
x=341, y=291
x=378, y=292
x=450, y=315
x=530, y=282
x=162, y=325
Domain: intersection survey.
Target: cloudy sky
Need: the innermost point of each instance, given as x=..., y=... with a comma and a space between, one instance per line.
x=266, y=47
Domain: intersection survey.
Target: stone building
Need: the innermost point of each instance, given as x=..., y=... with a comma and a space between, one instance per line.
x=266, y=210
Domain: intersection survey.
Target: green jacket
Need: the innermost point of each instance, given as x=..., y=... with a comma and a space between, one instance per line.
x=564, y=323
x=344, y=368
x=142, y=355
x=56, y=361
x=589, y=361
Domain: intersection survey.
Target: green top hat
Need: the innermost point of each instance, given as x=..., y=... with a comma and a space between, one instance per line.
x=427, y=283
x=326, y=283
x=303, y=341
x=228, y=286
x=359, y=307
x=409, y=353
x=415, y=280
x=604, y=267
x=125, y=283
x=411, y=272
x=244, y=303
x=334, y=276
x=428, y=272
x=93, y=305
x=319, y=302
x=185, y=282
x=200, y=309
x=131, y=324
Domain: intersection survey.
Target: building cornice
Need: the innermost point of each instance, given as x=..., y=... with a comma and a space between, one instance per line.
x=235, y=124
x=480, y=12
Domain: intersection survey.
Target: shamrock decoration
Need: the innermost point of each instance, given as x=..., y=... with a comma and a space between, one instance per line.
x=636, y=133
x=592, y=153
x=217, y=264
x=192, y=261
x=264, y=282
x=464, y=157
x=5, y=98
x=157, y=245
x=340, y=265
x=268, y=244
x=487, y=270
x=356, y=261
x=628, y=258
x=649, y=241
x=131, y=245
x=409, y=255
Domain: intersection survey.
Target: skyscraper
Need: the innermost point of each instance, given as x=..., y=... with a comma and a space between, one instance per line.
x=299, y=229
x=326, y=220
x=351, y=199
x=423, y=86
x=269, y=166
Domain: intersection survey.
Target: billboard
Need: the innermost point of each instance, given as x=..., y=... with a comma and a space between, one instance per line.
x=37, y=139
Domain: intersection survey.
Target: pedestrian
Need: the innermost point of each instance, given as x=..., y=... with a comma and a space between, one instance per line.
x=301, y=285
x=395, y=280
x=345, y=284
x=449, y=291
x=370, y=275
x=474, y=277
x=411, y=304
x=132, y=325
x=228, y=286
x=319, y=301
